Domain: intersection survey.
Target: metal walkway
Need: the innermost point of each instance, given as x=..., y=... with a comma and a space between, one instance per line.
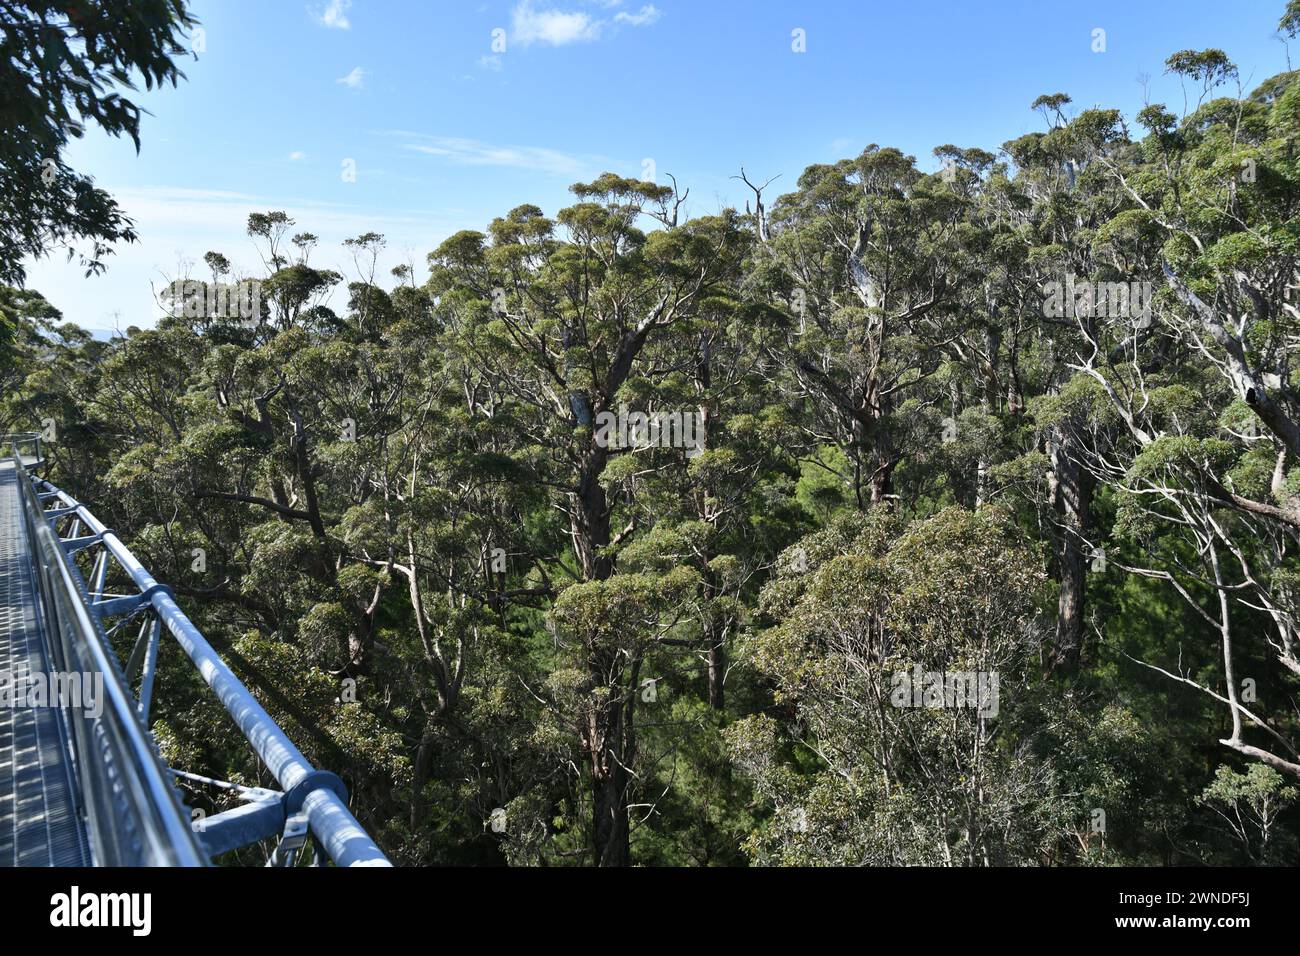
x=39, y=822
x=81, y=779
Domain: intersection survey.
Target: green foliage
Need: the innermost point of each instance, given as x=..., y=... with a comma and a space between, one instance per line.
x=1249, y=804
x=61, y=66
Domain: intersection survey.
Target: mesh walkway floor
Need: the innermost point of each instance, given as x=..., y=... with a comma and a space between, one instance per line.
x=39, y=825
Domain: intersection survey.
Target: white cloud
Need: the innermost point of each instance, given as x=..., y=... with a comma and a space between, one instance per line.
x=335, y=15
x=473, y=152
x=354, y=80
x=492, y=63
x=551, y=26
x=560, y=27
x=297, y=154
x=642, y=18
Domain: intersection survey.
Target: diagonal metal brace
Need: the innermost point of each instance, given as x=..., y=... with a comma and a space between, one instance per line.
x=131, y=603
x=266, y=816
x=245, y=824
x=73, y=545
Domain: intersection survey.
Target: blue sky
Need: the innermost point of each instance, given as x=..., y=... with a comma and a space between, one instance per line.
x=447, y=132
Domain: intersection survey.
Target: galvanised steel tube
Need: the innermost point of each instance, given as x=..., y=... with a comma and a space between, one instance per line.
x=164, y=834
x=332, y=822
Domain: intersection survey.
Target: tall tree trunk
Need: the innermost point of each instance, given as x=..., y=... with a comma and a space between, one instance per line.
x=609, y=808
x=992, y=398
x=1072, y=491
x=589, y=519
x=609, y=724
x=880, y=451
x=612, y=743
x=715, y=638
x=882, y=480
x=423, y=768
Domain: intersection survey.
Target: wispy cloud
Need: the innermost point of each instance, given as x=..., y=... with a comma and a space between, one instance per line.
x=335, y=15
x=492, y=63
x=556, y=27
x=642, y=18
x=296, y=155
x=170, y=210
x=354, y=80
x=473, y=152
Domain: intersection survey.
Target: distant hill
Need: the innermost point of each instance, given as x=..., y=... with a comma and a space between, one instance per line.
x=104, y=335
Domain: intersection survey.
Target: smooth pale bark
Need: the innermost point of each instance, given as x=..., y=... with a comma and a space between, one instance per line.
x=1072, y=491
x=1248, y=381
x=713, y=632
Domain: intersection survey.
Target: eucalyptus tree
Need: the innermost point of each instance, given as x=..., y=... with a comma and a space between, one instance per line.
x=1205, y=403
x=444, y=528
x=862, y=268
x=727, y=508
x=560, y=314
x=992, y=359
x=26, y=317
x=888, y=761
x=1068, y=197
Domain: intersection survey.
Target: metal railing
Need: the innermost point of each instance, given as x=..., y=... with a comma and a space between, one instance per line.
x=311, y=800
x=133, y=814
x=27, y=445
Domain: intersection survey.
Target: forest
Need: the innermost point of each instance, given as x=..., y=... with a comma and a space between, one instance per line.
x=897, y=518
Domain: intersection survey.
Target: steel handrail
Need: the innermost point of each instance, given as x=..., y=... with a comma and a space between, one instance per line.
x=134, y=816
x=17, y=439
x=313, y=792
